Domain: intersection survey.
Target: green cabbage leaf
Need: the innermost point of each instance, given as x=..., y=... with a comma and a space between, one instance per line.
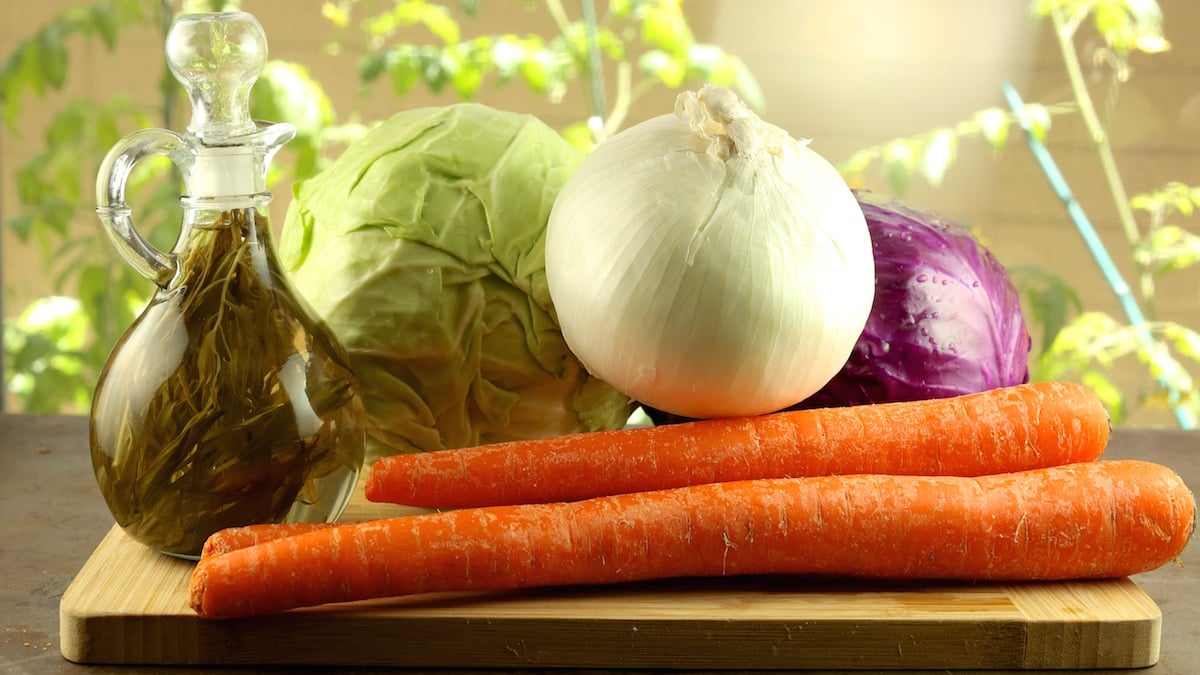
x=422, y=247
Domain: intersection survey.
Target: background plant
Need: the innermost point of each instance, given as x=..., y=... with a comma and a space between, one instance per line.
x=1075, y=342
x=56, y=346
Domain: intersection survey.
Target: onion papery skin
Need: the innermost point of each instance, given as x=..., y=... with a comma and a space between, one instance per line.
x=679, y=279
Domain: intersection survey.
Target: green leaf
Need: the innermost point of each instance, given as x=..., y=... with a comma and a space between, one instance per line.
x=58, y=212
x=1039, y=120
x=508, y=54
x=469, y=7
x=1042, y=8
x=1168, y=248
x=620, y=9
x=466, y=78
x=1108, y=393
x=993, y=124
x=575, y=39
x=405, y=13
x=44, y=345
x=474, y=63
x=580, y=136
x=1172, y=195
x=1183, y=339
x=1163, y=367
x=10, y=108
x=540, y=70
x=1110, y=21
x=286, y=92
x=29, y=68
x=104, y=19
x=1130, y=24
x=307, y=160
x=1099, y=336
x=1049, y=299
x=22, y=224
x=938, y=154
x=1091, y=336
x=747, y=85
x=533, y=71
x=39, y=62
x=663, y=67
x=405, y=69
x=664, y=27
x=30, y=185
x=1145, y=12
x=200, y=6
x=439, y=22
x=709, y=62
x=899, y=163
x=53, y=58
x=373, y=65
x=1184, y=205
x=22, y=71
x=94, y=285
x=108, y=122
x=1144, y=202
x=436, y=68
x=610, y=44
x=436, y=18
x=857, y=163
x=67, y=127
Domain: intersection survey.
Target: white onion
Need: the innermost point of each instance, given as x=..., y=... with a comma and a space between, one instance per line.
x=707, y=264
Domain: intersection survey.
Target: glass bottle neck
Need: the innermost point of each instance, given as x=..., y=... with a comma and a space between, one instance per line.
x=236, y=225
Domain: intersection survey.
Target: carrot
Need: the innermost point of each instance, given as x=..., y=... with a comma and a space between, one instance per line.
x=234, y=538
x=998, y=431
x=1087, y=520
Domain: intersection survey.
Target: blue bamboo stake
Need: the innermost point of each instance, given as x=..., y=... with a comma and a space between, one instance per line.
x=1094, y=244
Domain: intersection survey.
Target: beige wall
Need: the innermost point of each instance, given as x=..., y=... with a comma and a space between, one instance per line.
x=846, y=73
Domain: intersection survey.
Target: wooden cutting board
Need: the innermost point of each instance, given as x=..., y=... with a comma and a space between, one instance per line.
x=128, y=605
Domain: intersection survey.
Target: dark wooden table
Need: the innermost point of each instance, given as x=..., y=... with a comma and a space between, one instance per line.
x=52, y=517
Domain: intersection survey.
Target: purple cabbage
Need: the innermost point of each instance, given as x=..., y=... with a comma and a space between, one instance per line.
x=946, y=320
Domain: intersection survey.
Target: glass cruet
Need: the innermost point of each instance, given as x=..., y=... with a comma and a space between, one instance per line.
x=227, y=402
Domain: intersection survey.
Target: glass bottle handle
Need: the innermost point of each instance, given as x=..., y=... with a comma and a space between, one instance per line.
x=152, y=263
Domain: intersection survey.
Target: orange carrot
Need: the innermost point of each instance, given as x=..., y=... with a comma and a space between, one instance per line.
x=234, y=538
x=1087, y=520
x=1009, y=429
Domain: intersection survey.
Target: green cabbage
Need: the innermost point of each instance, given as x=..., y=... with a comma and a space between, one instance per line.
x=422, y=246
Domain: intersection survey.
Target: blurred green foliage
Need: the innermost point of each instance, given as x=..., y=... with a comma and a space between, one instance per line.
x=1077, y=343
x=56, y=347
